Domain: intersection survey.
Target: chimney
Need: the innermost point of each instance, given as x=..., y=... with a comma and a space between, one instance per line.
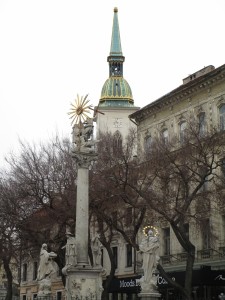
x=198, y=74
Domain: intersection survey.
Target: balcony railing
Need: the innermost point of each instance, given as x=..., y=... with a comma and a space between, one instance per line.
x=182, y=256
x=222, y=251
x=205, y=253
x=201, y=255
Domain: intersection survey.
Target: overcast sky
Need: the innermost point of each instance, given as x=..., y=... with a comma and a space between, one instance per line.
x=52, y=50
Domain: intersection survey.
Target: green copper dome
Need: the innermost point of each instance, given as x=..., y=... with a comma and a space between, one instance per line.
x=116, y=92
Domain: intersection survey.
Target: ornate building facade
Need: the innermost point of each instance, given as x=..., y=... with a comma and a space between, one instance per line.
x=201, y=95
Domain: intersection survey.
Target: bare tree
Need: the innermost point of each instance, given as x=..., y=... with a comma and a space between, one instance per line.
x=44, y=176
x=172, y=177
x=115, y=209
x=167, y=182
x=10, y=245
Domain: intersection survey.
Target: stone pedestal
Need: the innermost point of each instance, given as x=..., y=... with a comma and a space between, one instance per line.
x=84, y=283
x=149, y=290
x=44, y=289
x=150, y=296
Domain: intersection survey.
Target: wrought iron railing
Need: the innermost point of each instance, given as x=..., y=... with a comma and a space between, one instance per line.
x=201, y=255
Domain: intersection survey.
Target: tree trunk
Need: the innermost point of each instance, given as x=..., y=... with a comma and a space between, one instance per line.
x=188, y=276
x=111, y=275
x=190, y=249
x=9, y=294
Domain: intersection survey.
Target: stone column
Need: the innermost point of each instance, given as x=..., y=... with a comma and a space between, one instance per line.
x=82, y=215
x=82, y=280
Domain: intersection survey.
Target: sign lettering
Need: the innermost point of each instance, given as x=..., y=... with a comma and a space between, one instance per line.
x=136, y=282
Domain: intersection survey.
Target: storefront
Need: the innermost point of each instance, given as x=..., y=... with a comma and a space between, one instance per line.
x=207, y=284
x=125, y=288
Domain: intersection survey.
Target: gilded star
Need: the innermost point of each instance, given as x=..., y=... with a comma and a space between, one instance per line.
x=80, y=110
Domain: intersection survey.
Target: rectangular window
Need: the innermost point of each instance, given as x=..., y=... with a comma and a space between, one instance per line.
x=205, y=224
x=24, y=297
x=166, y=235
x=165, y=136
x=202, y=176
x=128, y=216
x=148, y=143
x=129, y=255
x=114, y=218
x=115, y=255
x=34, y=296
x=59, y=295
x=24, y=272
x=202, y=124
x=102, y=260
x=222, y=117
x=222, y=166
x=35, y=267
x=223, y=230
x=183, y=129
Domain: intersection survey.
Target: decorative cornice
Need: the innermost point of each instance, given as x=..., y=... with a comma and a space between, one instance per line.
x=179, y=94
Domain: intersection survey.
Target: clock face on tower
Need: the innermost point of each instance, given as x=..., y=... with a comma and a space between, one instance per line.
x=117, y=123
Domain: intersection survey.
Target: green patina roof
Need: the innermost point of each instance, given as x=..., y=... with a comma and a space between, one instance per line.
x=116, y=90
x=116, y=49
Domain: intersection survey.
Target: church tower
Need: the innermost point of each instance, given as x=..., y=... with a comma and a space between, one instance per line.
x=116, y=101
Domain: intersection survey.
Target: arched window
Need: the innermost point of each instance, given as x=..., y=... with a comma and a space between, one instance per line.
x=117, y=142
x=222, y=117
x=165, y=136
x=183, y=126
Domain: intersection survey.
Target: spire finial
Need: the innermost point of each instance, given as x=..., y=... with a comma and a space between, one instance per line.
x=115, y=49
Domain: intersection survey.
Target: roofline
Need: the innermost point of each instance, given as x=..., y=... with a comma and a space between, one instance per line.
x=180, y=92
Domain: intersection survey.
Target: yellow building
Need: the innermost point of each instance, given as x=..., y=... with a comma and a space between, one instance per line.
x=202, y=95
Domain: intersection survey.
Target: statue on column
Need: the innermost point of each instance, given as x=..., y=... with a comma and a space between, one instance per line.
x=46, y=267
x=71, y=252
x=149, y=247
x=45, y=270
x=82, y=136
x=82, y=281
x=96, y=251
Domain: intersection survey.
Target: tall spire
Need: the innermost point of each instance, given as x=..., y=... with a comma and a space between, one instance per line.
x=116, y=91
x=115, y=57
x=116, y=49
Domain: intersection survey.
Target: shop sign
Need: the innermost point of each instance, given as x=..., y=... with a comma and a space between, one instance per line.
x=129, y=283
x=135, y=282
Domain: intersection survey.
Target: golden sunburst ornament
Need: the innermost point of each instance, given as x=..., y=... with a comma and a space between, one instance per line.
x=80, y=110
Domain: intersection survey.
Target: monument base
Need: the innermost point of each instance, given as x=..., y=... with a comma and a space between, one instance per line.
x=44, y=290
x=84, y=283
x=149, y=296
